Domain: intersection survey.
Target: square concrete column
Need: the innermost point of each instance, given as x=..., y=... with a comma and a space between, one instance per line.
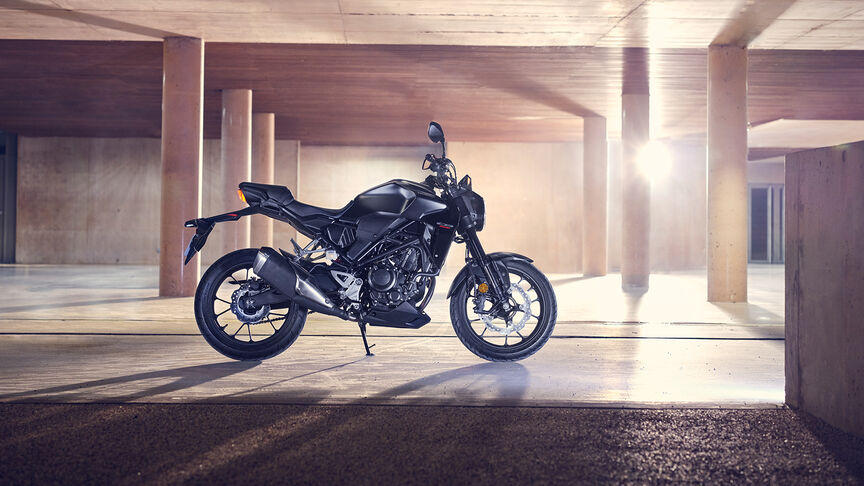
x=263, y=141
x=594, y=196
x=635, y=186
x=182, y=114
x=824, y=265
x=727, y=174
x=236, y=162
x=286, y=173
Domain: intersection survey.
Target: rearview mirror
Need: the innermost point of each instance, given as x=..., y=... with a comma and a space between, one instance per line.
x=436, y=133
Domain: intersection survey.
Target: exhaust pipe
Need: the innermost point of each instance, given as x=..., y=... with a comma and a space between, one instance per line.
x=294, y=282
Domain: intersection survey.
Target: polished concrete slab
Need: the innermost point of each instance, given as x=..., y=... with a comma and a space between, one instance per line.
x=101, y=334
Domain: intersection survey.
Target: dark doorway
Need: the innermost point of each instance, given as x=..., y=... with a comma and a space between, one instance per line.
x=766, y=223
x=8, y=194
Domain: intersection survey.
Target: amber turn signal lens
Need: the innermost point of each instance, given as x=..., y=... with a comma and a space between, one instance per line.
x=483, y=288
x=242, y=196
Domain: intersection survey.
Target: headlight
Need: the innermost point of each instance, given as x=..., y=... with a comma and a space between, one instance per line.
x=477, y=209
x=480, y=212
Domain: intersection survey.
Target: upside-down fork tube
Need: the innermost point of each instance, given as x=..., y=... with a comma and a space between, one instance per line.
x=482, y=259
x=293, y=282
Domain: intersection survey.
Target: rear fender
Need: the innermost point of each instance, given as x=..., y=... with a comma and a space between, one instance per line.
x=474, y=269
x=203, y=227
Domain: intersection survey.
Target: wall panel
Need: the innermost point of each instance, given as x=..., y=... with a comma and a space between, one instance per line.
x=533, y=191
x=678, y=211
x=766, y=172
x=88, y=200
x=533, y=194
x=96, y=200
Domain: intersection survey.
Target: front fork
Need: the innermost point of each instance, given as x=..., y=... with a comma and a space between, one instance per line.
x=475, y=249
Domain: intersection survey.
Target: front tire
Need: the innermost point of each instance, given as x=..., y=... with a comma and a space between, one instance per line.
x=523, y=332
x=241, y=333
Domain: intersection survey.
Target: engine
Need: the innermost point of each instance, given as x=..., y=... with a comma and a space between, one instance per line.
x=390, y=282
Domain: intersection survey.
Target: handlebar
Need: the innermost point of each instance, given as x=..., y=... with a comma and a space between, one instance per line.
x=442, y=167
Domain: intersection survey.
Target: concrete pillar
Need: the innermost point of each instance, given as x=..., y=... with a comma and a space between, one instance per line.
x=263, y=141
x=594, y=196
x=824, y=264
x=236, y=161
x=636, y=187
x=286, y=173
x=727, y=174
x=182, y=114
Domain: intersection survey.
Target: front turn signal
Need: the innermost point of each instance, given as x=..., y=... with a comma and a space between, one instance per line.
x=483, y=288
x=242, y=196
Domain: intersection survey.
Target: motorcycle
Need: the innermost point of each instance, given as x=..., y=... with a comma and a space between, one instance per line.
x=373, y=262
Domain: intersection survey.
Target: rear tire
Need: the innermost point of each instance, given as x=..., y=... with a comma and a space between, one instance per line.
x=269, y=335
x=511, y=342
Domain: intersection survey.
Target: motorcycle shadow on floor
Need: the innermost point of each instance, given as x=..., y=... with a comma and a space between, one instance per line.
x=479, y=384
x=125, y=386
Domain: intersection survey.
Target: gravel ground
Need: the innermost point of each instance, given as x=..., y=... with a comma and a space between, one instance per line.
x=254, y=444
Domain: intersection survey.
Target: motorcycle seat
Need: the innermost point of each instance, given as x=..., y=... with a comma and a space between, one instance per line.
x=279, y=194
x=306, y=211
x=282, y=195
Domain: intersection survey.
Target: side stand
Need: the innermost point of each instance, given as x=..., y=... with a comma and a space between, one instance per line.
x=365, y=343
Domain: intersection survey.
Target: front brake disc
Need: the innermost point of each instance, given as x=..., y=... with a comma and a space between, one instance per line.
x=511, y=327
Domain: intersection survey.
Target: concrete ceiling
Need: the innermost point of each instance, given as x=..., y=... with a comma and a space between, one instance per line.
x=805, y=133
x=386, y=94
x=373, y=71
x=764, y=24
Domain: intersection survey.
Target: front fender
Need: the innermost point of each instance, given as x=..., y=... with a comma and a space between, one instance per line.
x=500, y=256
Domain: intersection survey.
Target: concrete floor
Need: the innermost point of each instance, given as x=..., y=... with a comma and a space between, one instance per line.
x=101, y=334
x=101, y=381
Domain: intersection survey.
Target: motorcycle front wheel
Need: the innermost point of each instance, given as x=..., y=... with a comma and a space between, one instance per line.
x=237, y=331
x=510, y=332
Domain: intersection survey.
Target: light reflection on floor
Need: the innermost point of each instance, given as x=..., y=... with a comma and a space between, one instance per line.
x=99, y=333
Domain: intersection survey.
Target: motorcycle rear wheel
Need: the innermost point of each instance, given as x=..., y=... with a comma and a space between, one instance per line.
x=242, y=333
x=526, y=330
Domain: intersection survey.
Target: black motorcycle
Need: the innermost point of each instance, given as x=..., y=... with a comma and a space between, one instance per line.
x=372, y=262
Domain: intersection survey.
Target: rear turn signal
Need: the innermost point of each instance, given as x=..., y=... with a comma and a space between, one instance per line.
x=242, y=196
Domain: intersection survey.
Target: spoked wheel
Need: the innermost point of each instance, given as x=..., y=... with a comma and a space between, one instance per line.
x=511, y=330
x=232, y=328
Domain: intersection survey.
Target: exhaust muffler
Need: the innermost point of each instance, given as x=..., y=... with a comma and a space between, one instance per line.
x=294, y=282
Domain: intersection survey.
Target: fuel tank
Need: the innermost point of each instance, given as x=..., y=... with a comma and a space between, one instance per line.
x=399, y=197
x=382, y=209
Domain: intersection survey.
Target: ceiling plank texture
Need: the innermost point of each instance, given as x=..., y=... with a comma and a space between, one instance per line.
x=806, y=24
x=341, y=94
